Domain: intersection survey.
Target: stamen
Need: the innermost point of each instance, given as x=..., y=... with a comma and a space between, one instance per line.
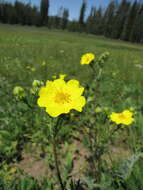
x=62, y=98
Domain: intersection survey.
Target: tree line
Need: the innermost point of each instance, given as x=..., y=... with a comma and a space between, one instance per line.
x=122, y=20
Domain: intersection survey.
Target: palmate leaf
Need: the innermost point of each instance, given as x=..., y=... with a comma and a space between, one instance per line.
x=127, y=166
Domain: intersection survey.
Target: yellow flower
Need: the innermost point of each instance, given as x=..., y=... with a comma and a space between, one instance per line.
x=60, y=97
x=62, y=76
x=87, y=58
x=122, y=118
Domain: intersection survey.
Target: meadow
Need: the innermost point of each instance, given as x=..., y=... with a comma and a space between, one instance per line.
x=27, y=163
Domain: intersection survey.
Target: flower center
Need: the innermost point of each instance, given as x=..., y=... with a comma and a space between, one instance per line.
x=121, y=116
x=87, y=59
x=62, y=98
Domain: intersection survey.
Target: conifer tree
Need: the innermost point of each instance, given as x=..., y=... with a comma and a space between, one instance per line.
x=137, y=30
x=98, y=28
x=65, y=18
x=90, y=23
x=132, y=13
x=108, y=19
x=120, y=19
x=44, y=8
x=82, y=13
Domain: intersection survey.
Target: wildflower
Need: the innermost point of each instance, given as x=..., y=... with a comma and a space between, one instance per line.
x=60, y=97
x=33, y=69
x=35, y=86
x=98, y=109
x=87, y=58
x=62, y=76
x=43, y=63
x=122, y=118
x=37, y=83
x=18, y=92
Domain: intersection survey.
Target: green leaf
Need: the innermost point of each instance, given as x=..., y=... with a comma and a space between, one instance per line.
x=128, y=165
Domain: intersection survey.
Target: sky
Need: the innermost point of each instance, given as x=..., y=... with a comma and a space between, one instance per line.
x=72, y=5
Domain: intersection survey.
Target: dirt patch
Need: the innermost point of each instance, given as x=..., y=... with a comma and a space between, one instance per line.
x=38, y=167
x=80, y=160
x=32, y=166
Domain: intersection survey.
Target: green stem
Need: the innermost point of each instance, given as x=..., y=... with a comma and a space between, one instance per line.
x=26, y=102
x=92, y=149
x=116, y=129
x=56, y=130
x=99, y=74
x=57, y=166
x=92, y=67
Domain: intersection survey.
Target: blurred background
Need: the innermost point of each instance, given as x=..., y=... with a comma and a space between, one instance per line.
x=116, y=19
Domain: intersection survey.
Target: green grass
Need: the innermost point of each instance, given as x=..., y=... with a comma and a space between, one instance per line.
x=62, y=52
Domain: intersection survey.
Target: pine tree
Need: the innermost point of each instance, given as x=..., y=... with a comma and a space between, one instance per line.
x=90, y=23
x=58, y=18
x=44, y=8
x=108, y=19
x=82, y=14
x=1, y=11
x=65, y=18
x=137, y=30
x=98, y=26
x=120, y=19
x=18, y=13
x=132, y=13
